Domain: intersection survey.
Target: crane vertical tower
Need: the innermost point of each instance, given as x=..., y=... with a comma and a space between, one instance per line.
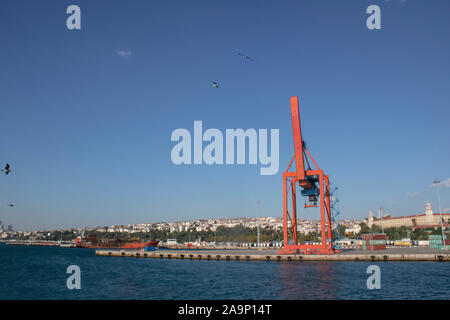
x=315, y=185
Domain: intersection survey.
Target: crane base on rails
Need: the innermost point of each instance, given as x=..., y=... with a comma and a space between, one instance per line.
x=315, y=185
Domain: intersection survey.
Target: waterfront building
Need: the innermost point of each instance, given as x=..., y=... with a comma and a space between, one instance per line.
x=425, y=220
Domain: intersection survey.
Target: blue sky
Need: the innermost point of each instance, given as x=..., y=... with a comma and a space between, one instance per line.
x=86, y=115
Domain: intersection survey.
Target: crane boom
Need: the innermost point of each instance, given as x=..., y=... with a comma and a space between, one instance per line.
x=298, y=139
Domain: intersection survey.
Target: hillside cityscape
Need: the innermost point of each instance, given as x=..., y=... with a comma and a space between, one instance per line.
x=306, y=226
x=249, y=230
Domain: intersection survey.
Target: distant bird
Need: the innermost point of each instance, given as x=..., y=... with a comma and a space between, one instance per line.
x=11, y=205
x=6, y=170
x=215, y=84
x=245, y=56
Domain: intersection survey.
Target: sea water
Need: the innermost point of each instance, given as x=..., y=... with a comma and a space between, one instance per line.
x=28, y=272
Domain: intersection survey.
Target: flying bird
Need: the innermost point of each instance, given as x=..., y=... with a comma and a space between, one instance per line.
x=245, y=56
x=6, y=170
x=215, y=84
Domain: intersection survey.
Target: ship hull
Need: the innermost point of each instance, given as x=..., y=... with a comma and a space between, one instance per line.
x=115, y=245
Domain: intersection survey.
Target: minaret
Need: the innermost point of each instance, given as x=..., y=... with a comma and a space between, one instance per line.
x=370, y=220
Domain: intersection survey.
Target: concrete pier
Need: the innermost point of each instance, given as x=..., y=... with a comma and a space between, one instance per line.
x=39, y=243
x=271, y=255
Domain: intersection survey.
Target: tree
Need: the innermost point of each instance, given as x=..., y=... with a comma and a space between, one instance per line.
x=364, y=229
x=419, y=234
x=375, y=229
x=341, y=231
x=437, y=231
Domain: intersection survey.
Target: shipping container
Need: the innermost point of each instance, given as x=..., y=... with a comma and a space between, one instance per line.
x=436, y=237
x=377, y=242
x=402, y=243
x=373, y=245
x=439, y=242
x=374, y=236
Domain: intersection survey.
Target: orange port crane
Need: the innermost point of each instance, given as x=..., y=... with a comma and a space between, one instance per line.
x=315, y=185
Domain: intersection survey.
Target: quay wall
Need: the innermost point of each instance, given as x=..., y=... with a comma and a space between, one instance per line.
x=233, y=256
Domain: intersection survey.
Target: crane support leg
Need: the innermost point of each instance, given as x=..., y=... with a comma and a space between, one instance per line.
x=322, y=209
x=285, y=217
x=294, y=212
x=327, y=196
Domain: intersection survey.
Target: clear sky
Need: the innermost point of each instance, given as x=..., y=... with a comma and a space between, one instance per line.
x=86, y=115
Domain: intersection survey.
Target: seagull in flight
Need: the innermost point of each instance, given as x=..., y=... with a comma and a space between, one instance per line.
x=6, y=170
x=215, y=84
x=245, y=56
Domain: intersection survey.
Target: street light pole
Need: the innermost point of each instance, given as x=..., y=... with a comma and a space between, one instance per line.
x=440, y=212
x=258, y=234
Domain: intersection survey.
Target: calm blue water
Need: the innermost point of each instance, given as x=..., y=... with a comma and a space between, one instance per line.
x=40, y=273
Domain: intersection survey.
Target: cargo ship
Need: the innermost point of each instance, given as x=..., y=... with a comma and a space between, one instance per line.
x=93, y=243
